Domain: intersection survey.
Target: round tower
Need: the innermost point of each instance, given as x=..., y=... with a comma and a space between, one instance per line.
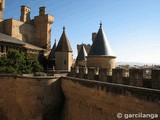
x=101, y=54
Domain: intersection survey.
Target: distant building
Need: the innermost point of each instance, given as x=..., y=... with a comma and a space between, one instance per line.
x=87, y=46
x=81, y=59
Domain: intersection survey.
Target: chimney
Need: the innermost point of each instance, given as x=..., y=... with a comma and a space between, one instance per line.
x=42, y=10
x=25, y=14
x=93, y=36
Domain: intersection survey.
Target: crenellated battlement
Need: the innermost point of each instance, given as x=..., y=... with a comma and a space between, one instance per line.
x=148, y=78
x=86, y=46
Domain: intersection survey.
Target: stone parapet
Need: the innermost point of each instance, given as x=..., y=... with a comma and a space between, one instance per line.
x=132, y=77
x=30, y=98
x=95, y=100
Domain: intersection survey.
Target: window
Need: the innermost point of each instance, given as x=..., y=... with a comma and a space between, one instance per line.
x=2, y=48
x=64, y=62
x=7, y=48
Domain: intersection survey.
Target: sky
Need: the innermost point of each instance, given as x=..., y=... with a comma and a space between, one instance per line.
x=132, y=27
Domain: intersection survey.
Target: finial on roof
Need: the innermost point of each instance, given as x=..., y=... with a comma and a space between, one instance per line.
x=100, y=24
x=55, y=41
x=64, y=28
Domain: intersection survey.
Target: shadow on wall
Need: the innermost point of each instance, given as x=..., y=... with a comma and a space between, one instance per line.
x=54, y=111
x=27, y=33
x=3, y=115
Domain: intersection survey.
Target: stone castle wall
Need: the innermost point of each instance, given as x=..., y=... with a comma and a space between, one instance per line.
x=94, y=100
x=102, y=62
x=65, y=62
x=132, y=77
x=35, y=31
x=42, y=25
x=68, y=98
x=19, y=30
x=25, y=98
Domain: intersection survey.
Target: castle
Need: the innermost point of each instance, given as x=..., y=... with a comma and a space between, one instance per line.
x=26, y=34
x=93, y=89
x=95, y=61
x=33, y=36
x=99, y=65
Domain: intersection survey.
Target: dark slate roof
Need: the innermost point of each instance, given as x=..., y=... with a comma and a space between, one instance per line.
x=82, y=54
x=8, y=39
x=52, y=53
x=63, y=45
x=101, y=45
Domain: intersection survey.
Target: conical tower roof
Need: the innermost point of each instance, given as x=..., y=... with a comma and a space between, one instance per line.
x=82, y=54
x=52, y=53
x=63, y=45
x=101, y=45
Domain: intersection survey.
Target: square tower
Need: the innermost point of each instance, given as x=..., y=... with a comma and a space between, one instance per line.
x=42, y=25
x=1, y=9
x=25, y=14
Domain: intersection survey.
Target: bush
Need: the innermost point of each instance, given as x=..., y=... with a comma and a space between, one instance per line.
x=3, y=69
x=16, y=62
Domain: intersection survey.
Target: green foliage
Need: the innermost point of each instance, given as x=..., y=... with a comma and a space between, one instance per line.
x=34, y=65
x=16, y=62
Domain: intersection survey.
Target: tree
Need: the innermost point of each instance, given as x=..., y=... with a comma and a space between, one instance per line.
x=42, y=59
x=16, y=62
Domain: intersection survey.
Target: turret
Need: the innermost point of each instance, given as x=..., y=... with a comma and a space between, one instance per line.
x=43, y=24
x=81, y=59
x=25, y=14
x=51, y=57
x=42, y=10
x=101, y=54
x=63, y=53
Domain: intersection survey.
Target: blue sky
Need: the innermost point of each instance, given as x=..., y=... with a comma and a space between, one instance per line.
x=131, y=26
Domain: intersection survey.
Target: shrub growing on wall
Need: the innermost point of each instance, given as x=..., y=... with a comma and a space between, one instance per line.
x=17, y=63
